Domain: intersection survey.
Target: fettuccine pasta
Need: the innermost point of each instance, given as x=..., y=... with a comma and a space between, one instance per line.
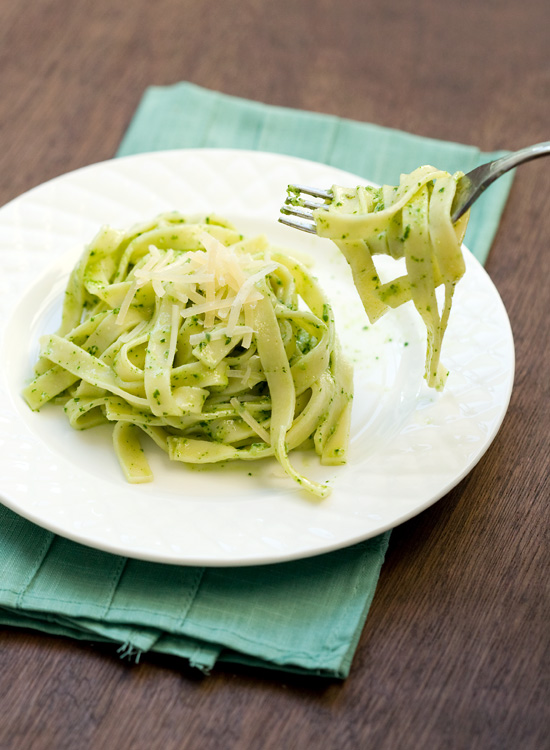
x=215, y=346
x=411, y=221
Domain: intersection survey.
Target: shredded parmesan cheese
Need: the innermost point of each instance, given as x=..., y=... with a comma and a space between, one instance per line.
x=218, y=283
x=247, y=417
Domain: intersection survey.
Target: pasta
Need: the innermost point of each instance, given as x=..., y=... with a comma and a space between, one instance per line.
x=215, y=346
x=410, y=221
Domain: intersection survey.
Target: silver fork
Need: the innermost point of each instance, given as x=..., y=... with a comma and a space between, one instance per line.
x=297, y=211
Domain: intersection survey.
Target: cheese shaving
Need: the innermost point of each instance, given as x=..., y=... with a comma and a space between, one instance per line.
x=218, y=283
x=247, y=417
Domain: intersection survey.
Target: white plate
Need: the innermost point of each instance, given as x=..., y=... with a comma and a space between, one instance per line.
x=409, y=445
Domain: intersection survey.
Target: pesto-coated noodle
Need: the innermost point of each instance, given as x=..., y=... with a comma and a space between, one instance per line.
x=215, y=346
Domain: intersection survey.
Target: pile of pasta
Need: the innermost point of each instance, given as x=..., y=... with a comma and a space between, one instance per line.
x=413, y=221
x=215, y=346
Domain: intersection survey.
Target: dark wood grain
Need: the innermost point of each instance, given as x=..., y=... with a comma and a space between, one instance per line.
x=455, y=650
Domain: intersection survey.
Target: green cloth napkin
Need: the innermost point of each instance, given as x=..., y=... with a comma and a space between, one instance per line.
x=303, y=616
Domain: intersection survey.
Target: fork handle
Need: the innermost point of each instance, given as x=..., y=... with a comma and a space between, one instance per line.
x=505, y=163
x=471, y=185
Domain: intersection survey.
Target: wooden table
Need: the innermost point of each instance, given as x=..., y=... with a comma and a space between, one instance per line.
x=455, y=650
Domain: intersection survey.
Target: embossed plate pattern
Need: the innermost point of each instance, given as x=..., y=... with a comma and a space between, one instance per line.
x=409, y=445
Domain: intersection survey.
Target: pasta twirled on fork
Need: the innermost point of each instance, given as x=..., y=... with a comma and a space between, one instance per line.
x=411, y=220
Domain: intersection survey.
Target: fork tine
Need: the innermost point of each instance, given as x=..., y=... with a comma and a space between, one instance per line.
x=301, y=212
x=316, y=192
x=306, y=203
x=295, y=223
x=297, y=211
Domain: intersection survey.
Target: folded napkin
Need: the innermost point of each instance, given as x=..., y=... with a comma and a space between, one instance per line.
x=303, y=616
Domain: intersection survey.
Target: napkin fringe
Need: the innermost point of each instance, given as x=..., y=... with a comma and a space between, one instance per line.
x=130, y=652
